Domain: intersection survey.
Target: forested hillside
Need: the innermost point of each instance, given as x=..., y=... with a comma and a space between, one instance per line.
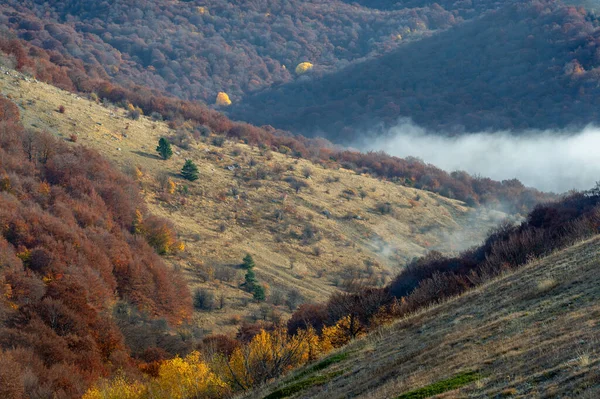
x=196, y=49
x=529, y=66
x=74, y=248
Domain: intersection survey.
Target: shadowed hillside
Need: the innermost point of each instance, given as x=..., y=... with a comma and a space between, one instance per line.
x=533, y=65
x=196, y=49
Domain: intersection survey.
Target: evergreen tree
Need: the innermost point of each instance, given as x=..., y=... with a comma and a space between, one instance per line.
x=248, y=262
x=164, y=148
x=258, y=293
x=190, y=170
x=250, y=280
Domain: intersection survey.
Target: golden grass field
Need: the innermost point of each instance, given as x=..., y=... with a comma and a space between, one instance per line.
x=222, y=216
x=533, y=333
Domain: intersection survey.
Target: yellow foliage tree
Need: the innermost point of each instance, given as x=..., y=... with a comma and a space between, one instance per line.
x=342, y=332
x=188, y=377
x=303, y=67
x=267, y=356
x=178, y=378
x=138, y=222
x=171, y=186
x=311, y=345
x=223, y=99
x=118, y=388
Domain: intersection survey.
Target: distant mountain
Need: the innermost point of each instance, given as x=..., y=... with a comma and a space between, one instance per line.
x=524, y=66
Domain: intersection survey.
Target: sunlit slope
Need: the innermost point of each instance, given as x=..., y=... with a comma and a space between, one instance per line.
x=341, y=228
x=530, y=334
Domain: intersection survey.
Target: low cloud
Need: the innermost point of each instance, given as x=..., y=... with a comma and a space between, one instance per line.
x=547, y=160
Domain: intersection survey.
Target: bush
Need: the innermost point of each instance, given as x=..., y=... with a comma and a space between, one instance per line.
x=293, y=299
x=135, y=114
x=296, y=184
x=204, y=299
x=218, y=141
x=306, y=172
x=310, y=234
x=384, y=208
x=182, y=139
x=160, y=234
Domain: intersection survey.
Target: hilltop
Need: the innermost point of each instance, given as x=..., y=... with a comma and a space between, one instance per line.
x=306, y=245
x=530, y=333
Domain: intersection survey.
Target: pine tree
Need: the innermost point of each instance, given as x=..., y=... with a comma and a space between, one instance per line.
x=164, y=148
x=250, y=280
x=258, y=293
x=248, y=262
x=190, y=170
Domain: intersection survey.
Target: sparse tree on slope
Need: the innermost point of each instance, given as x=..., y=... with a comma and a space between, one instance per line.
x=248, y=262
x=164, y=148
x=190, y=170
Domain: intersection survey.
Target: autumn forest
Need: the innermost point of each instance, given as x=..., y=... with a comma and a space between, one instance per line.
x=94, y=302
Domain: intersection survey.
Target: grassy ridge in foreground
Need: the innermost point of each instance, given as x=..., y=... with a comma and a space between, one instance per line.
x=529, y=333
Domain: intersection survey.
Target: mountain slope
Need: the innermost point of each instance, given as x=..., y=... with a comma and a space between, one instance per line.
x=532, y=333
x=313, y=242
x=532, y=65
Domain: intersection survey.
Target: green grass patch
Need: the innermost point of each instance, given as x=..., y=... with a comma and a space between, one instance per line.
x=436, y=388
x=323, y=364
x=301, y=385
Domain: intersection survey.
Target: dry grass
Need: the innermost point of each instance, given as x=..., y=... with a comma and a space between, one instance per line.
x=221, y=217
x=522, y=346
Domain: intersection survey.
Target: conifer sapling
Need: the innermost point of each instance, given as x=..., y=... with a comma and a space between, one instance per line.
x=164, y=148
x=190, y=170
